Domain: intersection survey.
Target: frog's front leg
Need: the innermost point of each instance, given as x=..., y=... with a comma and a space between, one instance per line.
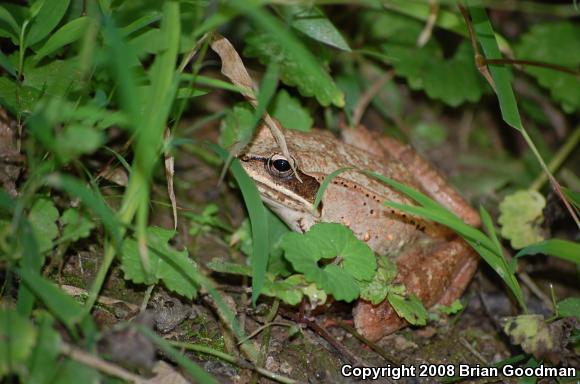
x=436, y=274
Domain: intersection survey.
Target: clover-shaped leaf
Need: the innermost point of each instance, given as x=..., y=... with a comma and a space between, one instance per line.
x=346, y=260
x=376, y=290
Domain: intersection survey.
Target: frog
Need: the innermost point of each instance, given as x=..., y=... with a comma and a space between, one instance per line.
x=433, y=262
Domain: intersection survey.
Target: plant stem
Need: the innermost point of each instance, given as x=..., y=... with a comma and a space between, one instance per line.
x=232, y=360
x=558, y=159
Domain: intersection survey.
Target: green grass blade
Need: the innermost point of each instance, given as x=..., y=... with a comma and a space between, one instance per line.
x=501, y=75
x=488, y=224
x=258, y=221
x=325, y=184
x=422, y=199
x=563, y=249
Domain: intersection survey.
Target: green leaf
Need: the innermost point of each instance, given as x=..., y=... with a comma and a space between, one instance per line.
x=453, y=81
x=71, y=371
x=354, y=259
x=6, y=64
x=452, y=309
x=8, y=25
x=563, y=249
x=43, y=217
x=301, y=71
x=174, y=268
x=76, y=140
x=258, y=220
x=410, y=308
x=311, y=21
x=75, y=225
x=18, y=336
x=569, y=307
x=66, y=34
x=556, y=43
x=55, y=78
x=18, y=97
x=290, y=113
x=521, y=217
x=237, y=125
x=380, y=286
x=48, y=17
x=43, y=362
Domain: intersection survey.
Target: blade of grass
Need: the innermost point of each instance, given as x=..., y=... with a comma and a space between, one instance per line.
x=258, y=221
x=507, y=100
x=325, y=184
x=563, y=249
x=487, y=248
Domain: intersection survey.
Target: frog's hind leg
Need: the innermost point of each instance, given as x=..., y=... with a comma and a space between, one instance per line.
x=436, y=274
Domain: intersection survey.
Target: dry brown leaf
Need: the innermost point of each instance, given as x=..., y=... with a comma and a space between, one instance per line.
x=233, y=68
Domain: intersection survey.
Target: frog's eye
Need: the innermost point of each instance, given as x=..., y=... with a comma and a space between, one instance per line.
x=279, y=166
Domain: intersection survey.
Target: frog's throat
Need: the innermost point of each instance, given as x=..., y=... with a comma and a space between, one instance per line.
x=298, y=215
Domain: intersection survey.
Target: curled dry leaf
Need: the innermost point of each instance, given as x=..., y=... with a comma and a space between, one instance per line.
x=233, y=68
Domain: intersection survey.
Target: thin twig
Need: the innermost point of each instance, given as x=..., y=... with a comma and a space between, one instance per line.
x=473, y=351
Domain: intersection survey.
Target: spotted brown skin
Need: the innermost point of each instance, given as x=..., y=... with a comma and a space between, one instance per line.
x=433, y=262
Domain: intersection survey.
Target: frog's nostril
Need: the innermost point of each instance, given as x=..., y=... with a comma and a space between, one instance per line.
x=244, y=158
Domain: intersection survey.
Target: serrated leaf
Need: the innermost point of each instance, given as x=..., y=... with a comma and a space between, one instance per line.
x=354, y=259
x=75, y=226
x=569, y=307
x=18, y=336
x=453, y=81
x=521, y=216
x=377, y=289
x=556, y=43
x=311, y=21
x=290, y=113
x=43, y=216
x=410, y=308
x=174, y=268
x=310, y=78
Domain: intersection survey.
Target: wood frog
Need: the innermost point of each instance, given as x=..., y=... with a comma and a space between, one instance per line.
x=433, y=262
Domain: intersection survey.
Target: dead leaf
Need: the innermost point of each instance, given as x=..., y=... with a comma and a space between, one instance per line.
x=233, y=68
x=535, y=336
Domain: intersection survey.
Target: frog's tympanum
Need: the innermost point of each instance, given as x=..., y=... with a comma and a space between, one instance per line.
x=433, y=263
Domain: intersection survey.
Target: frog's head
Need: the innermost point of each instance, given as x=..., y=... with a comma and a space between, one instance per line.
x=288, y=196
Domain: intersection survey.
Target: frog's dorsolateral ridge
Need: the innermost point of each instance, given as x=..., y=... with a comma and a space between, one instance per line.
x=432, y=261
